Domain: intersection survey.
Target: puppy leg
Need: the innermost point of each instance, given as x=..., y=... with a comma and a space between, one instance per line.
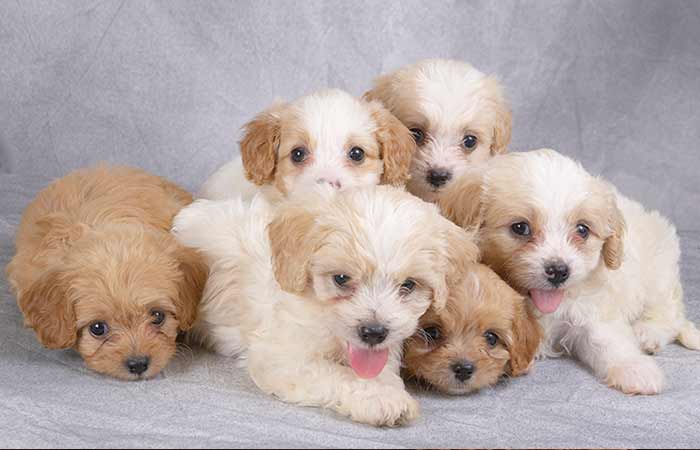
x=611, y=350
x=382, y=401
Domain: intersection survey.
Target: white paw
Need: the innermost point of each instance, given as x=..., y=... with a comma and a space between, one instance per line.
x=386, y=406
x=640, y=376
x=652, y=337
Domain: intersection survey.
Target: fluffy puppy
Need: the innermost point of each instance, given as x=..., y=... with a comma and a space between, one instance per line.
x=319, y=295
x=601, y=270
x=97, y=270
x=326, y=137
x=458, y=117
x=486, y=331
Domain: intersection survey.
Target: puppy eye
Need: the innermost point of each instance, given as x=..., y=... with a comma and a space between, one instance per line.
x=521, y=229
x=491, y=338
x=469, y=141
x=356, y=154
x=431, y=334
x=299, y=155
x=341, y=280
x=418, y=135
x=407, y=287
x=158, y=317
x=99, y=329
x=583, y=230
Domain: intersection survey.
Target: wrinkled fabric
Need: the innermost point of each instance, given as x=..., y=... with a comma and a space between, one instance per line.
x=166, y=85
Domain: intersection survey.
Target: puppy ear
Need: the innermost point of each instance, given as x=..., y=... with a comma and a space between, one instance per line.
x=260, y=144
x=503, y=118
x=525, y=339
x=461, y=251
x=48, y=311
x=292, y=247
x=461, y=202
x=190, y=287
x=613, y=248
x=396, y=143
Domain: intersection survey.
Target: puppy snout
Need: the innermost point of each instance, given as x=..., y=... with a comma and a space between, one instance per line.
x=557, y=272
x=335, y=183
x=138, y=365
x=372, y=334
x=463, y=370
x=438, y=177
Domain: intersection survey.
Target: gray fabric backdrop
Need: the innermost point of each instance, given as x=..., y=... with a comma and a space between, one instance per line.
x=166, y=85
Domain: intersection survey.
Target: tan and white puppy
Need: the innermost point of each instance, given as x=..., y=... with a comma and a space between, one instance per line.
x=326, y=137
x=458, y=117
x=601, y=270
x=318, y=294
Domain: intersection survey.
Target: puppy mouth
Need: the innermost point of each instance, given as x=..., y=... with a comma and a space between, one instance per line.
x=547, y=301
x=367, y=363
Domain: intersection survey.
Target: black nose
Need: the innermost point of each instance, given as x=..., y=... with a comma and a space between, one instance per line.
x=439, y=177
x=463, y=370
x=137, y=366
x=557, y=272
x=373, y=334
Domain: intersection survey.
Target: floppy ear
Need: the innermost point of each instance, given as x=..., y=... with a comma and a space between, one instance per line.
x=613, y=248
x=461, y=202
x=190, y=287
x=259, y=145
x=48, y=311
x=525, y=339
x=292, y=247
x=461, y=251
x=396, y=144
x=503, y=118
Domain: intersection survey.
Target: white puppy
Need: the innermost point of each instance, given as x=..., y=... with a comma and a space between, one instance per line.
x=602, y=271
x=319, y=293
x=458, y=117
x=326, y=137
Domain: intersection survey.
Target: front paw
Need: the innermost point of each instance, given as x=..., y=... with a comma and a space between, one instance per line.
x=384, y=406
x=652, y=338
x=637, y=377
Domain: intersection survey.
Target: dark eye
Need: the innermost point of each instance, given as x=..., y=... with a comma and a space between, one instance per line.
x=491, y=338
x=356, y=154
x=431, y=334
x=521, y=229
x=469, y=141
x=583, y=230
x=158, y=317
x=99, y=329
x=418, y=135
x=341, y=280
x=407, y=287
x=299, y=155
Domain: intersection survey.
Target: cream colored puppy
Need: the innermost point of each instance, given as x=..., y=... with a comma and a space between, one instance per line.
x=319, y=293
x=458, y=117
x=328, y=137
x=602, y=271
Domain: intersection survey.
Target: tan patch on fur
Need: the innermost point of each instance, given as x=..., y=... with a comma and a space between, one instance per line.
x=260, y=144
x=396, y=143
x=292, y=248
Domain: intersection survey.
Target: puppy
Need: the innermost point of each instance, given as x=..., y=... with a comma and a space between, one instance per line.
x=486, y=331
x=327, y=137
x=601, y=270
x=458, y=117
x=97, y=270
x=319, y=296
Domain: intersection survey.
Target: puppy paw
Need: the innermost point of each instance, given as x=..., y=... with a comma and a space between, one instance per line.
x=638, y=377
x=652, y=337
x=387, y=406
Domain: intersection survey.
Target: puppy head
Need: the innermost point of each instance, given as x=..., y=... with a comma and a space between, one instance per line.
x=120, y=296
x=374, y=259
x=330, y=138
x=458, y=117
x=545, y=225
x=485, y=332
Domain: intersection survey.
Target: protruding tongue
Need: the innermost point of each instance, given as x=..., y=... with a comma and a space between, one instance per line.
x=367, y=363
x=547, y=300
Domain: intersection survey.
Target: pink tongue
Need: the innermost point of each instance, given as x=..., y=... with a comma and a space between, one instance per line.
x=547, y=300
x=367, y=363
